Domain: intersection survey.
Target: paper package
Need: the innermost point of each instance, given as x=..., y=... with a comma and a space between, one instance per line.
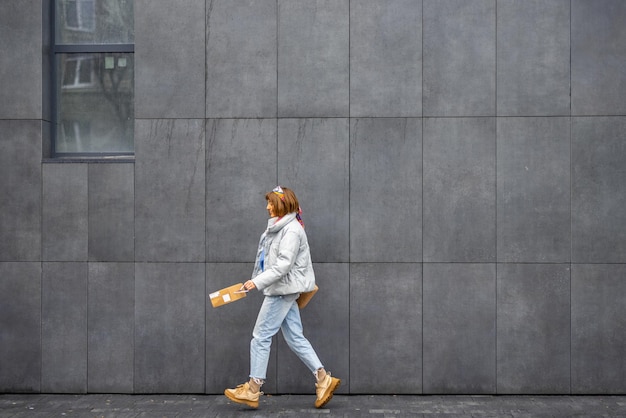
x=227, y=295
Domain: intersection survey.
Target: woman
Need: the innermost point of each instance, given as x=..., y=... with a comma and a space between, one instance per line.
x=282, y=271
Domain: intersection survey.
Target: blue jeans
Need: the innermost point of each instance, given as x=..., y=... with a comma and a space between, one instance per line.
x=279, y=312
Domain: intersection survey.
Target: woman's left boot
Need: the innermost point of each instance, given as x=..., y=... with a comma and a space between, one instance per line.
x=324, y=388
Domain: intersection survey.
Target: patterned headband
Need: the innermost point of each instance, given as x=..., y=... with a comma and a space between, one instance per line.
x=279, y=191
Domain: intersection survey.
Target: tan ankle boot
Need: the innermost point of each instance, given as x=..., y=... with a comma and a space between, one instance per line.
x=324, y=389
x=244, y=394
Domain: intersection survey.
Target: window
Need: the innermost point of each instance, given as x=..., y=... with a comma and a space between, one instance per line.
x=93, y=78
x=78, y=72
x=80, y=15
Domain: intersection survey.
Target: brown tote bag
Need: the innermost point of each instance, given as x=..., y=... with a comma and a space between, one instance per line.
x=305, y=297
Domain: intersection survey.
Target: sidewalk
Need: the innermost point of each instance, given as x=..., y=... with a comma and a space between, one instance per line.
x=376, y=406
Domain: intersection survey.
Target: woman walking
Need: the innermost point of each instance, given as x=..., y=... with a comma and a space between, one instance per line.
x=282, y=271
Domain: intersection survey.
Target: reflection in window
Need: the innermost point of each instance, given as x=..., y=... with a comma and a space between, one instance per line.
x=83, y=22
x=80, y=15
x=73, y=134
x=93, y=61
x=96, y=103
x=78, y=72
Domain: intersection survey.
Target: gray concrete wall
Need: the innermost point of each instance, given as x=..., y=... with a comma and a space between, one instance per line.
x=460, y=164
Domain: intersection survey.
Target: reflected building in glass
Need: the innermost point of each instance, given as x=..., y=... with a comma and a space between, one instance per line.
x=94, y=77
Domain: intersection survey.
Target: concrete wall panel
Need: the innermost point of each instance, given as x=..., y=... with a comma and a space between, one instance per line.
x=241, y=59
x=169, y=327
x=386, y=328
x=64, y=328
x=21, y=61
x=386, y=58
x=313, y=58
x=169, y=190
x=111, y=212
x=533, y=328
x=240, y=169
x=459, y=54
x=459, y=328
x=533, y=176
x=385, y=190
x=170, y=55
x=20, y=205
x=533, y=58
x=598, y=321
x=459, y=190
x=598, y=192
x=111, y=326
x=598, y=55
x=65, y=212
x=20, y=327
x=313, y=156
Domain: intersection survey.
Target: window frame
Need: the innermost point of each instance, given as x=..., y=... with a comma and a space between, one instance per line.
x=56, y=85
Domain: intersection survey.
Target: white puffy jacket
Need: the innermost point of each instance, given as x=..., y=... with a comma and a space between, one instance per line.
x=287, y=259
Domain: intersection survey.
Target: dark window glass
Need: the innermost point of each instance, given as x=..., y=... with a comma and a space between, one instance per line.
x=94, y=22
x=94, y=77
x=97, y=92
